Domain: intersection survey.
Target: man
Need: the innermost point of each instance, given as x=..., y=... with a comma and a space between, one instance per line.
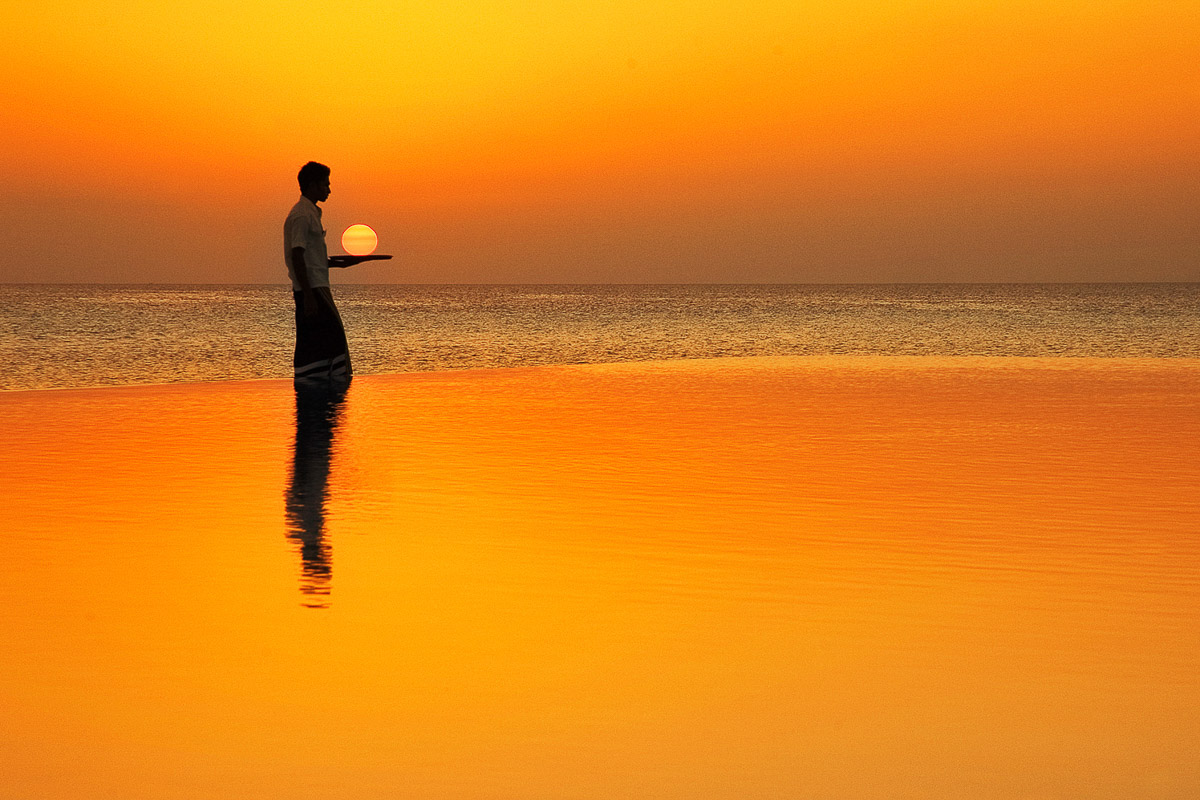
x=321, y=349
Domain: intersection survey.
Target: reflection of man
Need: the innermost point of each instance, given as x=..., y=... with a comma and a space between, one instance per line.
x=318, y=410
x=321, y=349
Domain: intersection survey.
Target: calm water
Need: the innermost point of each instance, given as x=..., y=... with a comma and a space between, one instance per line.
x=64, y=336
x=831, y=578
x=893, y=557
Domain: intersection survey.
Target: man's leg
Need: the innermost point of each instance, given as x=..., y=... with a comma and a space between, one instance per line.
x=321, y=349
x=335, y=335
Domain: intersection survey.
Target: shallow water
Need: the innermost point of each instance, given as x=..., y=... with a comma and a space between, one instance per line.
x=75, y=336
x=816, y=577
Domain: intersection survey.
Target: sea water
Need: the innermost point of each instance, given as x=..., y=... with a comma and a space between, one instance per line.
x=817, y=577
x=74, y=336
x=770, y=541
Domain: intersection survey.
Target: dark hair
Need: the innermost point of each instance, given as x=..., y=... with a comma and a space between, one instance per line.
x=311, y=173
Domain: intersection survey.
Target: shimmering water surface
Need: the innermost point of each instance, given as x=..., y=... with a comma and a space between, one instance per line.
x=819, y=577
x=738, y=542
x=56, y=336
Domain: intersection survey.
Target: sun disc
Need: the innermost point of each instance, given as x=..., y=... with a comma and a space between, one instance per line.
x=359, y=240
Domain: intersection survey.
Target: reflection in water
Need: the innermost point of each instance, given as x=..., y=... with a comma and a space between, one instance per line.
x=610, y=582
x=318, y=411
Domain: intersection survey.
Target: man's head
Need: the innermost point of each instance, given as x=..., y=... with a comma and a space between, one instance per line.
x=314, y=181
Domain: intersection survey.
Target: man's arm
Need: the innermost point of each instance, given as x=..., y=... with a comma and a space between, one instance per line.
x=300, y=269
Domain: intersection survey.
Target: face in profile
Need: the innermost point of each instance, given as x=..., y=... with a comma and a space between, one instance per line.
x=319, y=190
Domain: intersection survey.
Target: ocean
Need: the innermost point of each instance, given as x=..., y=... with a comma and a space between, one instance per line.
x=754, y=541
x=59, y=336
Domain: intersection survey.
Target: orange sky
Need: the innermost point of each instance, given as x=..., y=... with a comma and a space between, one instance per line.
x=633, y=142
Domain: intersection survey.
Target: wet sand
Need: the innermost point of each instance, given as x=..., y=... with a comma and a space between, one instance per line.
x=737, y=578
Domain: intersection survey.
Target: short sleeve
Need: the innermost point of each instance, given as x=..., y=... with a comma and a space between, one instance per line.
x=295, y=233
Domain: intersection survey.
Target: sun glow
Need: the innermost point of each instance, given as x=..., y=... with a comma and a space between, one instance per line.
x=359, y=240
x=643, y=142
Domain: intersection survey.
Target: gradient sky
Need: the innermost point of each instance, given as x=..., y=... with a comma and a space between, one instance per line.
x=500, y=142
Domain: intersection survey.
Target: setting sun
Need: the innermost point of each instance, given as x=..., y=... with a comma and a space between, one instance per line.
x=359, y=240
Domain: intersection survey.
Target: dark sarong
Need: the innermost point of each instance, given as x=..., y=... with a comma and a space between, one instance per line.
x=321, y=349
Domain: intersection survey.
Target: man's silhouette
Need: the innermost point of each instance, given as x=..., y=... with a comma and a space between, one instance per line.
x=321, y=349
x=319, y=407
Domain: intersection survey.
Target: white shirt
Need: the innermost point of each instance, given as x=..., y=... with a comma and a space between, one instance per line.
x=303, y=229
